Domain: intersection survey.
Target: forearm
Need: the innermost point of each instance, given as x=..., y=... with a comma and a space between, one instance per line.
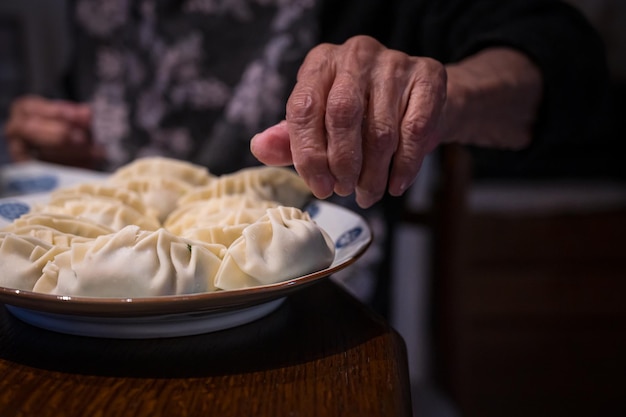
x=492, y=100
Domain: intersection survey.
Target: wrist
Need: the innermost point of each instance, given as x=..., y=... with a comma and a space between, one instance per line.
x=492, y=100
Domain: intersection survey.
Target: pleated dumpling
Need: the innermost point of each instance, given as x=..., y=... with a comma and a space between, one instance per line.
x=281, y=185
x=157, y=166
x=224, y=204
x=219, y=228
x=228, y=210
x=132, y=263
x=101, y=191
x=218, y=234
x=285, y=243
x=22, y=259
x=112, y=214
x=62, y=222
x=49, y=235
x=159, y=193
x=219, y=220
x=161, y=182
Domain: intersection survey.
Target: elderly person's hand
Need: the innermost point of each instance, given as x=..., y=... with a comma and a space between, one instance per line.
x=362, y=117
x=51, y=130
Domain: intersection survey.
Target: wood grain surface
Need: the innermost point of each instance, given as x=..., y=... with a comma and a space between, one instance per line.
x=322, y=353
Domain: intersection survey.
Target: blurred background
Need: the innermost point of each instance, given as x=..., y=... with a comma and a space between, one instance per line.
x=509, y=287
x=517, y=306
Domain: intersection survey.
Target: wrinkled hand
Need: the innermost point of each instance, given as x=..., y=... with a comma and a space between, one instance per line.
x=360, y=119
x=51, y=130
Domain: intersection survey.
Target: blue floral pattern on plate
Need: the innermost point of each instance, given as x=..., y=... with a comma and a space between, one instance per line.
x=348, y=237
x=11, y=210
x=313, y=209
x=27, y=185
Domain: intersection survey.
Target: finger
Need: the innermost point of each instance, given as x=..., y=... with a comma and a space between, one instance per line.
x=417, y=129
x=42, y=132
x=79, y=114
x=35, y=106
x=18, y=151
x=40, y=121
x=344, y=117
x=380, y=129
x=272, y=146
x=306, y=108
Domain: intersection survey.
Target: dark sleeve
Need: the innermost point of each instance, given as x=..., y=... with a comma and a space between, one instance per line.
x=67, y=78
x=567, y=50
x=556, y=36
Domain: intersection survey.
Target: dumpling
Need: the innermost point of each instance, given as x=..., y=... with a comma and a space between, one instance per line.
x=238, y=220
x=159, y=193
x=281, y=185
x=161, y=182
x=285, y=243
x=240, y=217
x=224, y=211
x=163, y=167
x=219, y=234
x=22, y=259
x=62, y=222
x=219, y=220
x=211, y=206
x=113, y=214
x=132, y=263
x=103, y=192
x=49, y=235
x=221, y=227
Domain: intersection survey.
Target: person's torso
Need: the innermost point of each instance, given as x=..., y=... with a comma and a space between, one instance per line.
x=189, y=79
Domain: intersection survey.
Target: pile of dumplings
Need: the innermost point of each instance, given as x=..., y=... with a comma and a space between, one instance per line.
x=161, y=226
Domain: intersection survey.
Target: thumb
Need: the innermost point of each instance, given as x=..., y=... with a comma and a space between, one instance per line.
x=272, y=146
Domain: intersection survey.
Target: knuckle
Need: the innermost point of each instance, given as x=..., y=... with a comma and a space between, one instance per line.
x=362, y=42
x=398, y=61
x=430, y=66
x=413, y=128
x=427, y=88
x=302, y=105
x=345, y=163
x=318, y=59
x=344, y=110
x=308, y=156
x=346, y=158
x=382, y=137
x=320, y=51
x=429, y=70
x=409, y=162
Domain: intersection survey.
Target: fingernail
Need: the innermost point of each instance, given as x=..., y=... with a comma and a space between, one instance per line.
x=344, y=188
x=252, y=139
x=363, y=202
x=398, y=188
x=365, y=198
x=322, y=186
x=253, y=145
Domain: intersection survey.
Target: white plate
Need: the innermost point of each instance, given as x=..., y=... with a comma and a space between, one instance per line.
x=142, y=327
x=179, y=315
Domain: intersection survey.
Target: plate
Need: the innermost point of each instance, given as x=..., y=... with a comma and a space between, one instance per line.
x=142, y=327
x=177, y=315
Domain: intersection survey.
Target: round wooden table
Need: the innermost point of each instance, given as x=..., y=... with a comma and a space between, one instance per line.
x=321, y=353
